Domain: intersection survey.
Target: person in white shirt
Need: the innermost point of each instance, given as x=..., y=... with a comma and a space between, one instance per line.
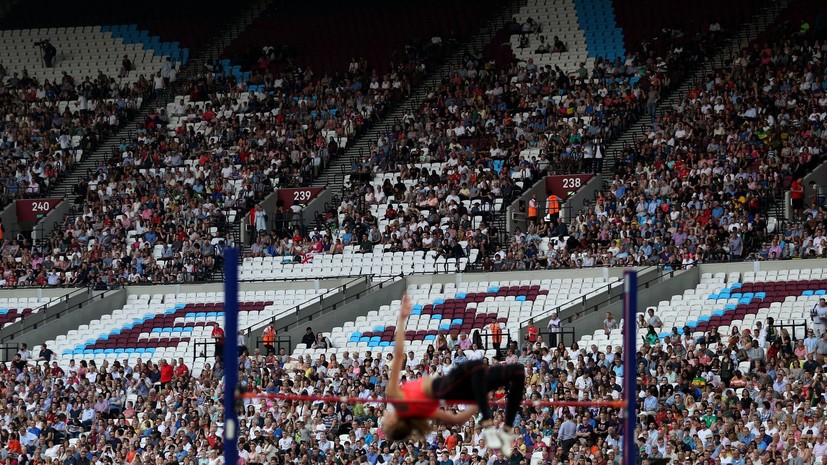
x=819, y=314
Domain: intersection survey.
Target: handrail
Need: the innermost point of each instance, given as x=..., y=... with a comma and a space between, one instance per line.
x=607, y=288
x=320, y=298
x=330, y=306
x=33, y=321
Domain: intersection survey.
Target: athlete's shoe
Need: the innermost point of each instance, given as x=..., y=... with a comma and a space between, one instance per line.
x=507, y=441
x=492, y=437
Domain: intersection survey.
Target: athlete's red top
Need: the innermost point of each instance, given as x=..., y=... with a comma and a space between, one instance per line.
x=422, y=405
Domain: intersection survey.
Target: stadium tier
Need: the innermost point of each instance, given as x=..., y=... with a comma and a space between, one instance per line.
x=726, y=301
x=168, y=326
x=425, y=167
x=453, y=309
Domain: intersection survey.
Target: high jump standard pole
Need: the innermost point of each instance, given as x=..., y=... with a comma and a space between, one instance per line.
x=629, y=366
x=230, y=355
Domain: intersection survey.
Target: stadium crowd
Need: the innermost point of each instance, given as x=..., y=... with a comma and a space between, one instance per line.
x=734, y=396
x=162, y=209
x=43, y=138
x=697, y=185
x=479, y=139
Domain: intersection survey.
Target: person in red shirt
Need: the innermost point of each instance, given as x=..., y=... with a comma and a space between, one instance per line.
x=182, y=371
x=531, y=332
x=218, y=336
x=166, y=373
x=797, y=196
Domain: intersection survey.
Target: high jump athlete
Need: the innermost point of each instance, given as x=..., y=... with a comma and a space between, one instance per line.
x=470, y=381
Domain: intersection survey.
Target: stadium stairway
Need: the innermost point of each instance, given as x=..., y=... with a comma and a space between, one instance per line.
x=745, y=34
x=333, y=177
x=194, y=66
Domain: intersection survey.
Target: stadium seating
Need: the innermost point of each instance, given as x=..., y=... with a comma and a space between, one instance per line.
x=586, y=28
x=81, y=52
x=191, y=23
x=168, y=326
x=733, y=300
x=343, y=31
x=14, y=309
x=460, y=308
x=352, y=263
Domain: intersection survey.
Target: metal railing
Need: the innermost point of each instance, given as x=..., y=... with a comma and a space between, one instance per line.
x=279, y=342
x=645, y=280
x=327, y=305
x=320, y=299
x=47, y=313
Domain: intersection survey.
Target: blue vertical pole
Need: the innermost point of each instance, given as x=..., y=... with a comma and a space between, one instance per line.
x=630, y=366
x=230, y=355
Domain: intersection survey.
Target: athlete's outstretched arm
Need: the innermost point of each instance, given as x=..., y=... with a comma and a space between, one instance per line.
x=399, y=348
x=460, y=418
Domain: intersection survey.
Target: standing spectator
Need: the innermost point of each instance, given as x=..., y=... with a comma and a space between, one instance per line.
x=819, y=314
x=797, y=197
x=24, y=353
x=533, y=209
x=554, y=325
x=158, y=85
x=218, y=338
x=654, y=320
x=268, y=338
x=496, y=334
x=531, y=332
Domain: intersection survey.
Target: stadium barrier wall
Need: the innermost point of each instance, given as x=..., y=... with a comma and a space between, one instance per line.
x=663, y=290
x=96, y=305
x=323, y=321
x=47, y=224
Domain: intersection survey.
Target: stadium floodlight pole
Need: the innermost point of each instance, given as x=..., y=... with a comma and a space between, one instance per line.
x=230, y=355
x=629, y=366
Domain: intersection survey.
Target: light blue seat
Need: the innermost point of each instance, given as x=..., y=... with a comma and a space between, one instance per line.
x=744, y=301
x=378, y=328
x=737, y=295
x=385, y=344
x=713, y=297
x=119, y=351
x=438, y=302
x=88, y=352
x=821, y=292
x=761, y=295
x=718, y=313
x=430, y=337
x=461, y=295
x=436, y=316
x=108, y=351
x=729, y=307
x=749, y=295
x=170, y=311
x=704, y=318
x=736, y=286
x=493, y=289
x=808, y=293
x=178, y=330
x=364, y=339
x=444, y=327
x=520, y=298
x=456, y=321
x=692, y=324
x=129, y=350
x=157, y=330
x=68, y=352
